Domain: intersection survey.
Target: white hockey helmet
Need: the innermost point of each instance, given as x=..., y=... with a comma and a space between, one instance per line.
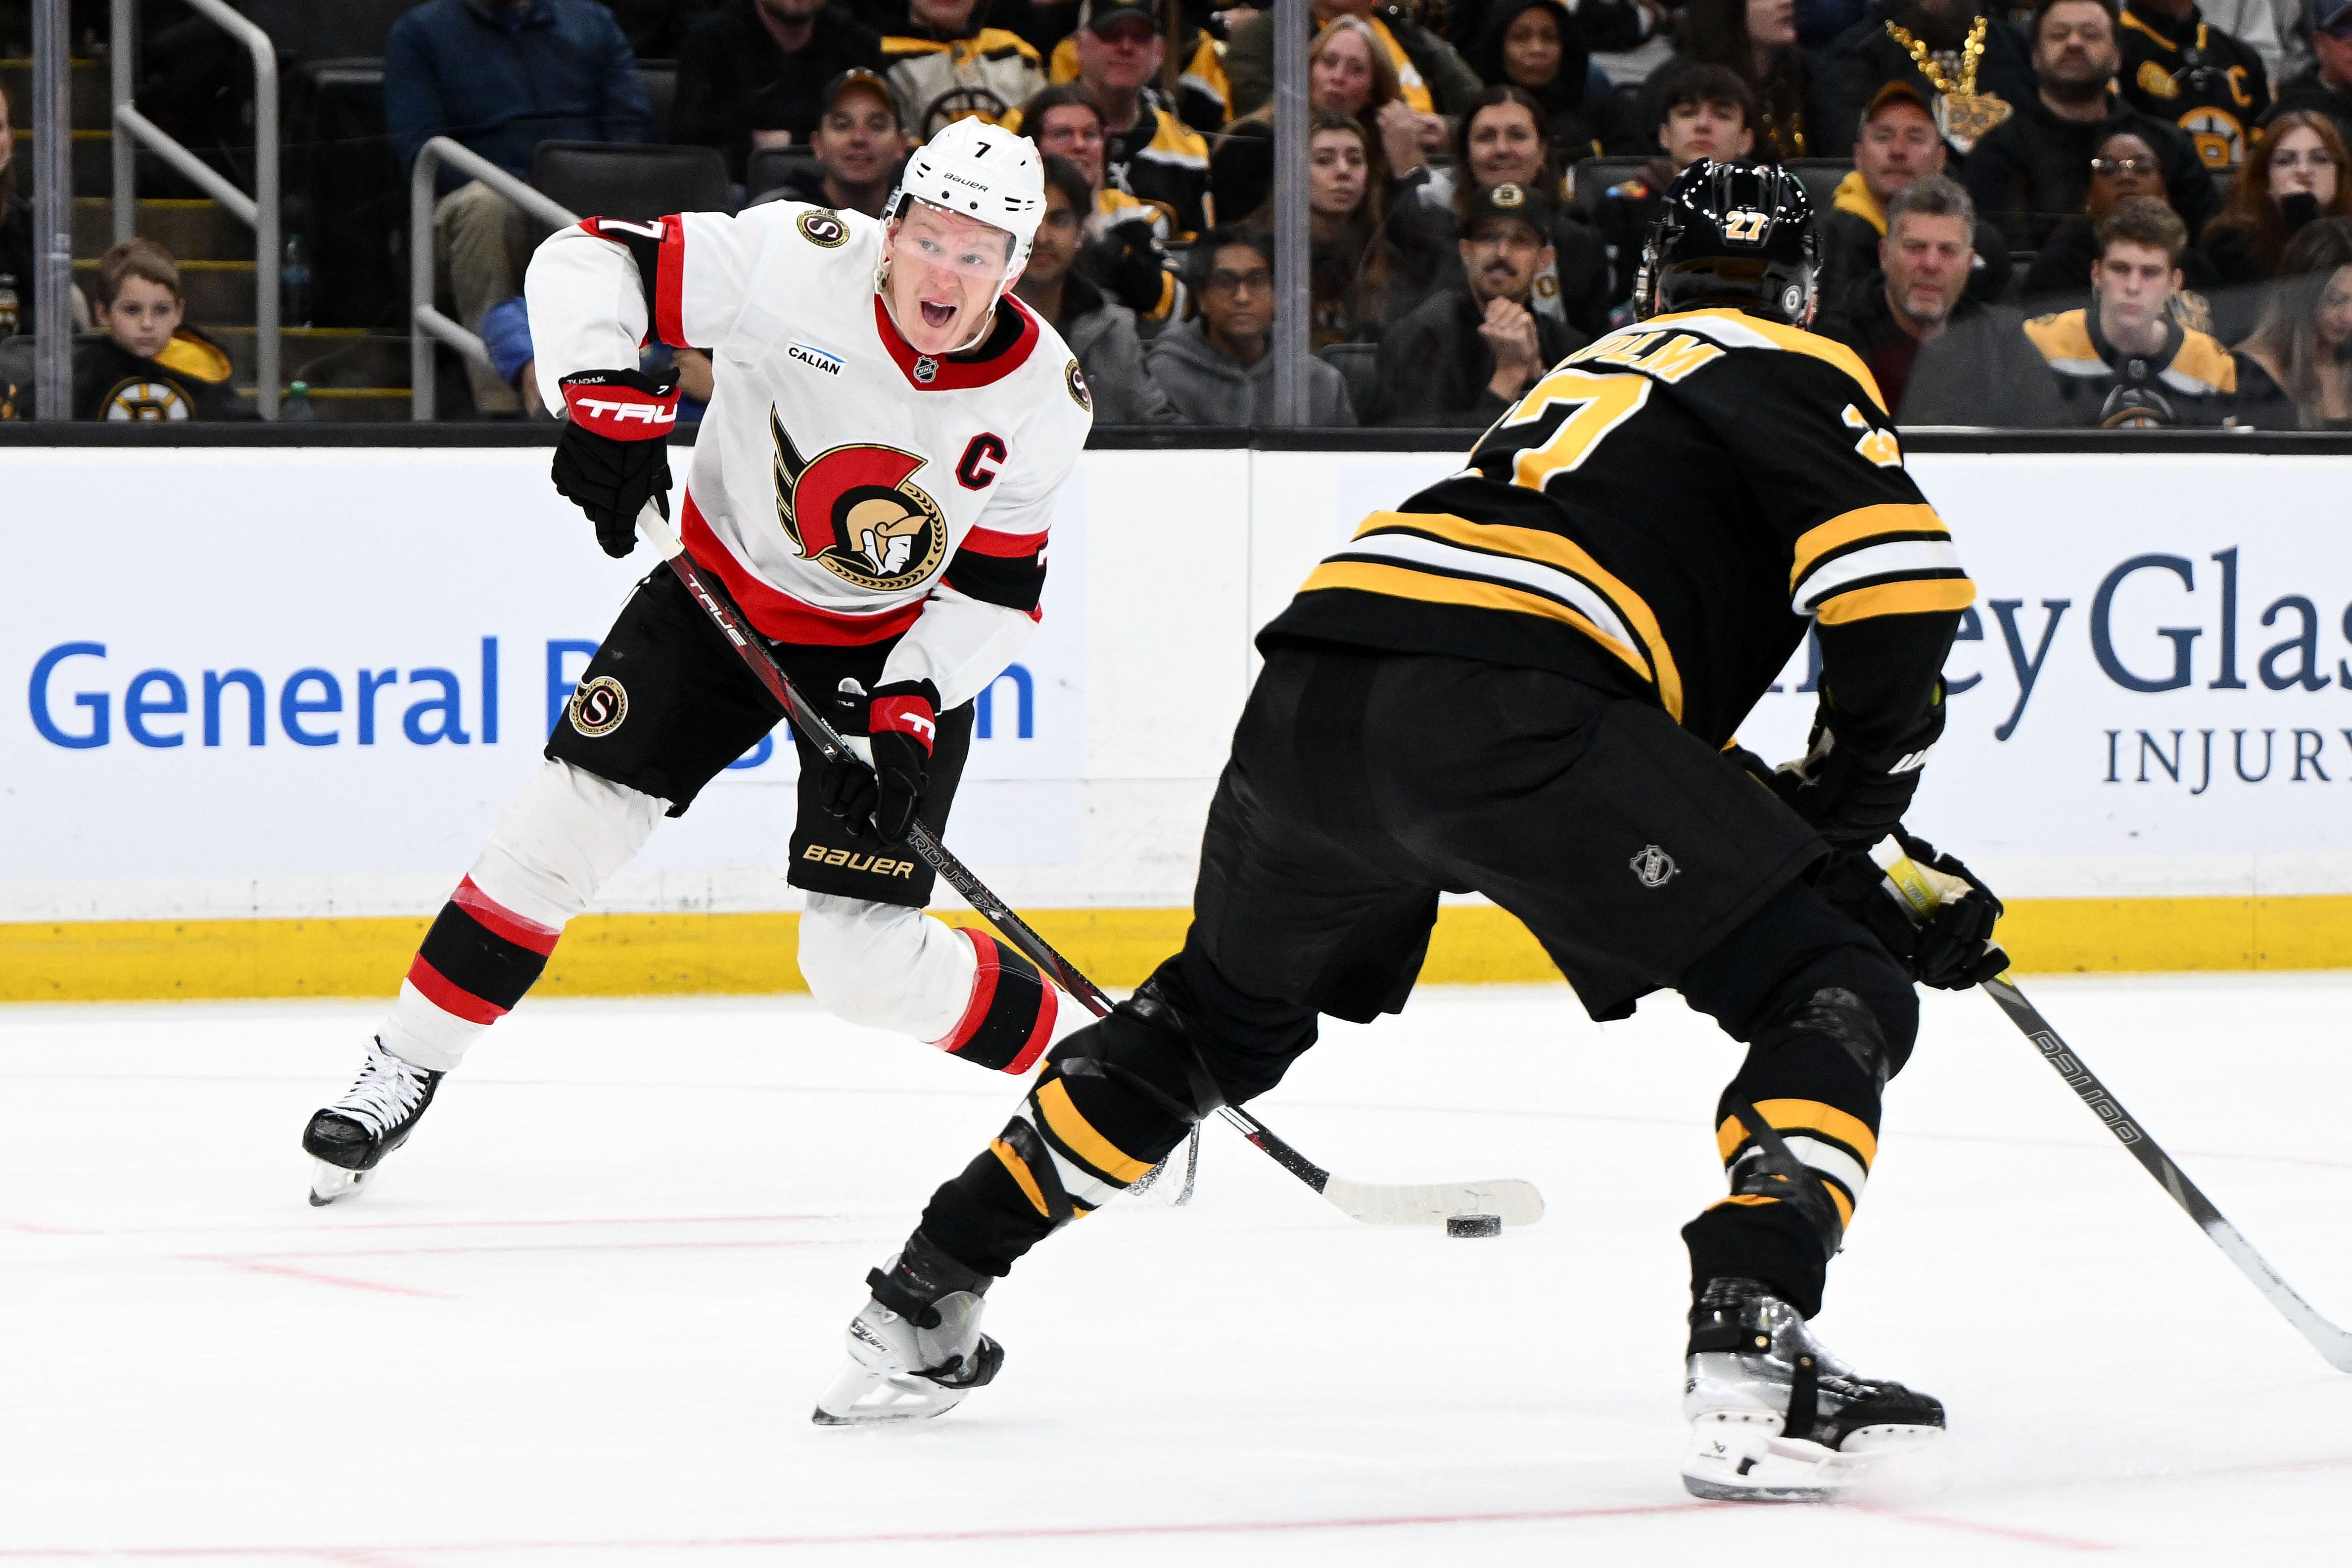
x=980, y=171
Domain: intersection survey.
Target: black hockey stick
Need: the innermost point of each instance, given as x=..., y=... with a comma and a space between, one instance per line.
x=2333, y=1344
x=1375, y=1204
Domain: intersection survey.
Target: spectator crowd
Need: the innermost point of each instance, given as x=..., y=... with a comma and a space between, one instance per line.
x=2103, y=213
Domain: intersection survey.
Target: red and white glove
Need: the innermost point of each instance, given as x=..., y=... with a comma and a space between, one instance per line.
x=902, y=720
x=613, y=456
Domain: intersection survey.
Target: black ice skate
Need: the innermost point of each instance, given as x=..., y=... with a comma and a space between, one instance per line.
x=1776, y=1418
x=351, y=1137
x=915, y=1347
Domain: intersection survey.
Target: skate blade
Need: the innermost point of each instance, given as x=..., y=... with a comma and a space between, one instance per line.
x=1730, y=1460
x=861, y=1397
x=330, y=1183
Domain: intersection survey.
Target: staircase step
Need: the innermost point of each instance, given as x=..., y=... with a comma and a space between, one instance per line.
x=195, y=230
x=349, y=404
x=94, y=167
x=92, y=92
x=340, y=358
x=219, y=293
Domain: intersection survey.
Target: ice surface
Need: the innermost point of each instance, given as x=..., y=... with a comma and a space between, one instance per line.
x=581, y=1320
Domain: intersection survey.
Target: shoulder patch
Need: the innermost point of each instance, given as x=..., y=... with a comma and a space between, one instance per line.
x=823, y=227
x=1077, y=383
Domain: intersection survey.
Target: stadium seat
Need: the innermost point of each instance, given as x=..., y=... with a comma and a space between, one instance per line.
x=1595, y=175
x=764, y=175
x=659, y=78
x=617, y=179
x=1358, y=365
x=1820, y=176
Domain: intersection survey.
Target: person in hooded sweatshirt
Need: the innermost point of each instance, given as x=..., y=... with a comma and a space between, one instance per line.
x=145, y=364
x=1218, y=367
x=1538, y=45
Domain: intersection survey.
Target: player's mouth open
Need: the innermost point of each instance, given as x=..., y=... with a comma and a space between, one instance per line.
x=937, y=315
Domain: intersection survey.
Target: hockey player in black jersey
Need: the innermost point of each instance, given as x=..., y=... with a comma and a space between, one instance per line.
x=1525, y=682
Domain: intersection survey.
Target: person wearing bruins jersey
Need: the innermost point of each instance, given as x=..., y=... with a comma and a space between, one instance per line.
x=1524, y=682
x=2178, y=67
x=144, y=364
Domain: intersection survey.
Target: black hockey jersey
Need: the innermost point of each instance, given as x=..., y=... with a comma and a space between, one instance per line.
x=1668, y=508
x=2194, y=75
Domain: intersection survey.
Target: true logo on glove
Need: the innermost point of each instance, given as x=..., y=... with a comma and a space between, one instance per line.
x=1653, y=867
x=599, y=706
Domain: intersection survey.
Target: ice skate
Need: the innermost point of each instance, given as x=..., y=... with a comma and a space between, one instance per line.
x=350, y=1138
x=916, y=1348
x=1776, y=1418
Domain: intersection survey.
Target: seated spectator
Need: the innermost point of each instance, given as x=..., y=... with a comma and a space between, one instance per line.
x=1126, y=237
x=1757, y=39
x=2123, y=166
x=858, y=148
x=145, y=363
x=2297, y=370
x=2326, y=87
x=1899, y=144
x=1203, y=99
x=1431, y=75
x=2180, y=67
x=1961, y=55
x=1611, y=26
x=1704, y=111
x=1100, y=332
x=1216, y=368
x=501, y=77
x=2294, y=174
x=1500, y=142
x=1366, y=271
x=2122, y=362
x=2032, y=172
x=1148, y=151
x=946, y=65
x=1467, y=351
x=1940, y=356
x=1539, y=47
x=1348, y=72
x=750, y=74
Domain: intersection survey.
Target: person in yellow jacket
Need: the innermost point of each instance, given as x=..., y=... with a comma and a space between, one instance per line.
x=1126, y=237
x=1897, y=144
x=1202, y=98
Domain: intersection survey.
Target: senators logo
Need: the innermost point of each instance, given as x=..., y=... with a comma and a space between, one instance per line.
x=823, y=228
x=854, y=511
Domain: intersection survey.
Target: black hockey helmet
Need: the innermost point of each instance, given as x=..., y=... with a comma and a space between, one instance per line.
x=1732, y=234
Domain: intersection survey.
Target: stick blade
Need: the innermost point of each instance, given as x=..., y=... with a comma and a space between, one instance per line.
x=1373, y=1202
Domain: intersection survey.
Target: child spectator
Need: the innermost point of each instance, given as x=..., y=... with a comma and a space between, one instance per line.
x=2294, y=174
x=752, y=74
x=858, y=148
x=2032, y=172
x=501, y=77
x=2122, y=362
x=1539, y=47
x=1705, y=112
x=2180, y=68
x=1216, y=368
x=946, y=65
x=145, y=363
x=2297, y=370
x=1899, y=144
x=1940, y=356
x=1467, y=351
x=1099, y=331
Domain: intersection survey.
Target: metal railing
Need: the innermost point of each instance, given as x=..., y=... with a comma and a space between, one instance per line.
x=425, y=324
x=258, y=211
x=52, y=212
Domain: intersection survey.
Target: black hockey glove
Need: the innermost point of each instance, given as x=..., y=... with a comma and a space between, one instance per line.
x=1950, y=946
x=1857, y=798
x=1126, y=262
x=877, y=804
x=613, y=456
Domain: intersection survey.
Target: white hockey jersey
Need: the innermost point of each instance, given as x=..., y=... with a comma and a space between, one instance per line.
x=845, y=488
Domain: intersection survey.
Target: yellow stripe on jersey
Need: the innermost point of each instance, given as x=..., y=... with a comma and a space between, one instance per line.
x=1736, y=329
x=1853, y=527
x=1062, y=1118
x=1565, y=555
x=1915, y=598
x=1019, y=1170
x=1788, y=1116
x=1405, y=583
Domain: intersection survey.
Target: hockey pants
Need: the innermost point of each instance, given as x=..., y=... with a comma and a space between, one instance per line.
x=882, y=965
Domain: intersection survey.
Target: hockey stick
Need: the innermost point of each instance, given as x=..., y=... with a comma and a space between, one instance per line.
x=2333, y=1344
x=1371, y=1202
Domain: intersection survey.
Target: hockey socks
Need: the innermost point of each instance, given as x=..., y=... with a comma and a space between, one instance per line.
x=1009, y=1020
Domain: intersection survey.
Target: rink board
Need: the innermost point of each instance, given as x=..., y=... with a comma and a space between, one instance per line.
x=261, y=707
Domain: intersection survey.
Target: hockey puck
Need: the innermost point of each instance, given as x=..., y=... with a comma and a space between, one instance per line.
x=1473, y=1224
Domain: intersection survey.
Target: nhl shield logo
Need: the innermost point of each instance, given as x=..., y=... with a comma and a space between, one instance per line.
x=927, y=369
x=1653, y=867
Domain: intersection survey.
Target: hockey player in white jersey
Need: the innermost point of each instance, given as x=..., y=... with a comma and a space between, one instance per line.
x=873, y=482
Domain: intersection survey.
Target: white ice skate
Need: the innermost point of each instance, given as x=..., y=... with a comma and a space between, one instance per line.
x=1776, y=1418
x=909, y=1361
x=350, y=1138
